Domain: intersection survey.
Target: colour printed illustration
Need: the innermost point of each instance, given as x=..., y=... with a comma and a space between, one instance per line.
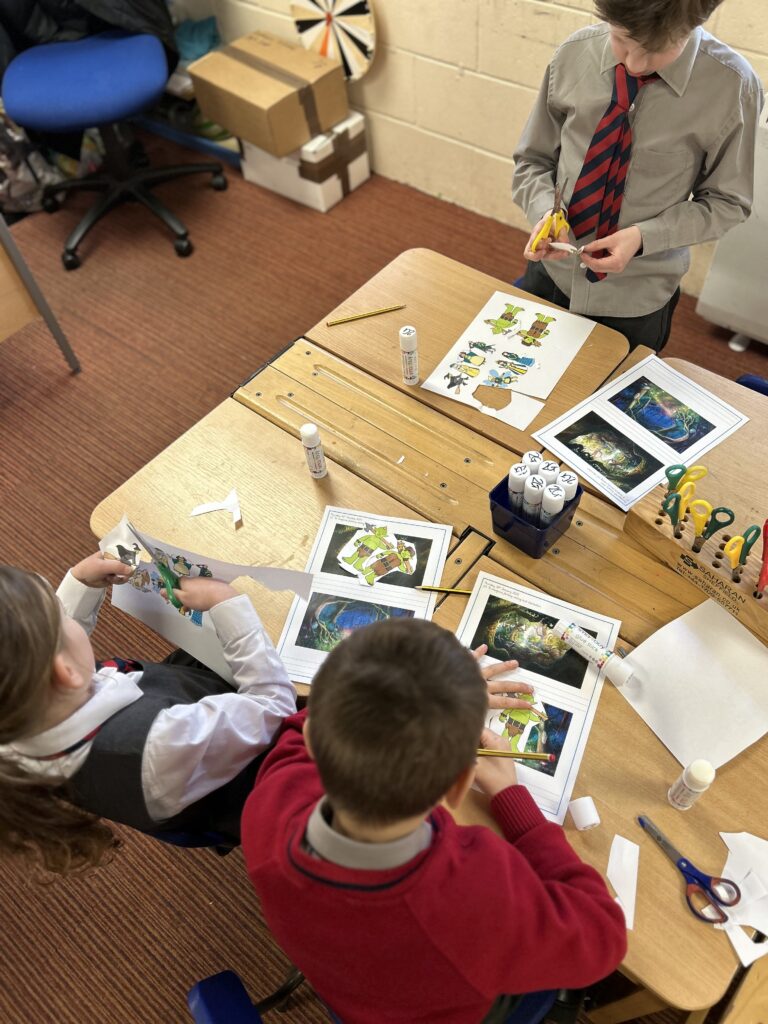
x=366, y=568
x=517, y=623
x=513, y=345
x=623, y=437
x=143, y=595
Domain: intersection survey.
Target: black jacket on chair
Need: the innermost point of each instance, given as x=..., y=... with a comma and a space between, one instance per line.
x=25, y=23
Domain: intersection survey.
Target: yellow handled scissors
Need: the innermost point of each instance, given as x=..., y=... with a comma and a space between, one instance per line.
x=732, y=550
x=692, y=475
x=554, y=222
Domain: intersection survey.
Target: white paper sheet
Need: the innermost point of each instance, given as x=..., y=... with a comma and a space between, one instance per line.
x=747, y=865
x=513, y=345
x=517, y=623
x=623, y=862
x=366, y=567
x=621, y=438
x=700, y=683
x=230, y=504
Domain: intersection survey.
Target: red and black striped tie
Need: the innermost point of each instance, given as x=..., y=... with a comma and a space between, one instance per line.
x=596, y=201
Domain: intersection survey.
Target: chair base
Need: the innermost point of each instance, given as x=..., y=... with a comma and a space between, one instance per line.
x=127, y=179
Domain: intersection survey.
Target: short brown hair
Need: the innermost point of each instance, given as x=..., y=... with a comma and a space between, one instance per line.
x=656, y=24
x=396, y=714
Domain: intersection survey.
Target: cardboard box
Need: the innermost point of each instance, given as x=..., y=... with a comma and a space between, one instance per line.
x=319, y=174
x=271, y=93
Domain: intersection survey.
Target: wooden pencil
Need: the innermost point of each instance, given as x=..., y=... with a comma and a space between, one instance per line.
x=445, y=590
x=488, y=752
x=361, y=316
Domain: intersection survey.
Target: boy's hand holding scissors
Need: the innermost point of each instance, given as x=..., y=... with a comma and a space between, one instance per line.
x=553, y=227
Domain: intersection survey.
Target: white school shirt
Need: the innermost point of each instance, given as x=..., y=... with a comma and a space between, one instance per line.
x=191, y=749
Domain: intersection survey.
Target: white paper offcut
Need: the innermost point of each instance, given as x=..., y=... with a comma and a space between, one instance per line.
x=623, y=862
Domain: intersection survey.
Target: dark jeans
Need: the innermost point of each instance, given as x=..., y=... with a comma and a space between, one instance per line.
x=652, y=329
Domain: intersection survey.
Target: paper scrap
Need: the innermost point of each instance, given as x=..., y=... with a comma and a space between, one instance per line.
x=230, y=504
x=681, y=674
x=622, y=874
x=747, y=866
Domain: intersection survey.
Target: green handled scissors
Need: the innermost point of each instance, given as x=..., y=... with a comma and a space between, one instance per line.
x=671, y=505
x=750, y=535
x=718, y=520
x=170, y=580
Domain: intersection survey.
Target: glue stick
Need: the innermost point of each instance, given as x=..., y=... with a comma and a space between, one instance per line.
x=615, y=668
x=549, y=470
x=552, y=501
x=518, y=474
x=532, y=460
x=313, y=449
x=690, y=784
x=532, y=495
x=569, y=482
x=409, y=355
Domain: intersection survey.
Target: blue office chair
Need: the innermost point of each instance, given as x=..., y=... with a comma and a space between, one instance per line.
x=99, y=81
x=223, y=999
x=753, y=382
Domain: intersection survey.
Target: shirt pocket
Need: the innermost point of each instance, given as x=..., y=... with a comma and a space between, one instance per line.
x=656, y=180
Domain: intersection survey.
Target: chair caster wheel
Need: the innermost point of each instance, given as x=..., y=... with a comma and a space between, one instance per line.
x=219, y=182
x=183, y=247
x=70, y=260
x=51, y=204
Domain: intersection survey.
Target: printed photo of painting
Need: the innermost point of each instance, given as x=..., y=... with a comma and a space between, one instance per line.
x=329, y=619
x=373, y=553
x=542, y=730
x=661, y=414
x=513, y=631
x=615, y=457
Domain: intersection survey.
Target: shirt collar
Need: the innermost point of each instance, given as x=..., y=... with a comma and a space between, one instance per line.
x=112, y=691
x=350, y=853
x=676, y=75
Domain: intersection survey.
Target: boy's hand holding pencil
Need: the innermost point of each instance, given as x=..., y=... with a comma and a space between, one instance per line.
x=494, y=774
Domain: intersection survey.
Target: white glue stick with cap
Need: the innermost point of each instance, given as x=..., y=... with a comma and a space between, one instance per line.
x=569, y=482
x=549, y=470
x=532, y=460
x=552, y=501
x=532, y=494
x=313, y=449
x=518, y=474
x=409, y=353
x=615, y=668
x=690, y=784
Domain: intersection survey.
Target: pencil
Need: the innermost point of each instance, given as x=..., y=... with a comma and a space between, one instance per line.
x=444, y=590
x=360, y=316
x=487, y=752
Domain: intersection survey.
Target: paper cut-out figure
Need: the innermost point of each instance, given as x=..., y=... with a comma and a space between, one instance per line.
x=141, y=581
x=204, y=570
x=457, y=381
x=513, y=357
x=483, y=346
x=507, y=322
x=516, y=719
x=471, y=357
x=513, y=367
x=181, y=566
x=471, y=371
x=500, y=380
x=399, y=560
x=537, y=330
x=366, y=546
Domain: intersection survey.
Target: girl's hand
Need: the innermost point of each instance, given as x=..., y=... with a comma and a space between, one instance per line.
x=101, y=570
x=499, y=691
x=618, y=249
x=201, y=593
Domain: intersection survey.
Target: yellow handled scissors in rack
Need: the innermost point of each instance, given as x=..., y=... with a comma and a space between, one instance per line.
x=554, y=222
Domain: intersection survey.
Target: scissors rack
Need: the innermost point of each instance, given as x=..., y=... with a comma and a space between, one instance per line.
x=707, y=569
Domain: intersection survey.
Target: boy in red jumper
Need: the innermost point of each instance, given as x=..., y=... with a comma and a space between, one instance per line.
x=393, y=912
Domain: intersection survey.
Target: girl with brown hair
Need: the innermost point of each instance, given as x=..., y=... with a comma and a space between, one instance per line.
x=161, y=747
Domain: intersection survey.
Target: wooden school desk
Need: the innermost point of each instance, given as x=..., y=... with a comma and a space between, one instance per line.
x=394, y=451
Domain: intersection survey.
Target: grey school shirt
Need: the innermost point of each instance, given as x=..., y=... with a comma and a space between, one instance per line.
x=691, y=169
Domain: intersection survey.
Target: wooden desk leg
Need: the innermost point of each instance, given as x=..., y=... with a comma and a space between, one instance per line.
x=630, y=1007
x=697, y=1016
x=749, y=1004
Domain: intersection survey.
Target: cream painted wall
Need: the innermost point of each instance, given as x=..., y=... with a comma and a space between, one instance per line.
x=453, y=81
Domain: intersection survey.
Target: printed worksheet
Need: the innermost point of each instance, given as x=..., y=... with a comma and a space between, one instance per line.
x=623, y=437
x=516, y=622
x=143, y=598
x=516, y=346
x=365, y=568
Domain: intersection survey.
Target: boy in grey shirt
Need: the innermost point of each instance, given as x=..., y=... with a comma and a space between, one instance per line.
x=648, y=125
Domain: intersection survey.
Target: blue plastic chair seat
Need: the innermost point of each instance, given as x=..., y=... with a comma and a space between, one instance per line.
x=64, y=87
x=222, y=999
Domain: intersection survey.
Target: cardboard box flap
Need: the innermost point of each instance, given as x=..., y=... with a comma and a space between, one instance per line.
x=322, y=146
x=276, y=83
x=291, y=57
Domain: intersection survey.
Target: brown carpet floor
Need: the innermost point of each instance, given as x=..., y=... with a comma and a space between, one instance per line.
x=162, y=340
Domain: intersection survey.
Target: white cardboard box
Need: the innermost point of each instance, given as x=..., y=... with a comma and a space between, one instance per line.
x=319, y=174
